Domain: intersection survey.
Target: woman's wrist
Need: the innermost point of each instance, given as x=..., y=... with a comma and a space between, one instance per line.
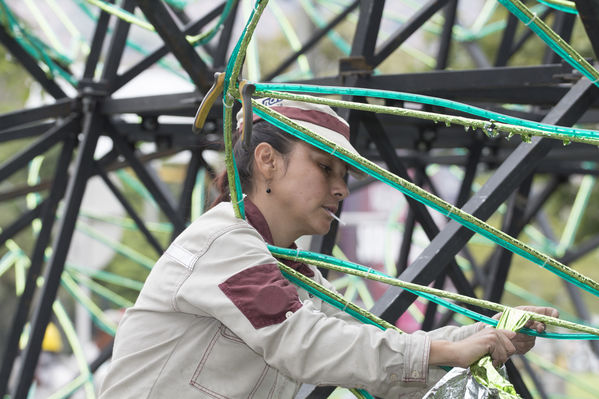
x=442, y=353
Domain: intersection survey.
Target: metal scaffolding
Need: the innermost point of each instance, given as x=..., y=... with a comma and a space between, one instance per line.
x=551, y=92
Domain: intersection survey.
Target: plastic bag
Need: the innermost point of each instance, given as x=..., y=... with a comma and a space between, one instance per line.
x=460, y=383
x=481, y=380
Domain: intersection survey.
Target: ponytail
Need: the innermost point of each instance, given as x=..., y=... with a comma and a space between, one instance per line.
x=221, y=182
x=262, y=132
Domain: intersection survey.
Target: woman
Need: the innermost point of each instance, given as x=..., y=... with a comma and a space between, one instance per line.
x=216, y=319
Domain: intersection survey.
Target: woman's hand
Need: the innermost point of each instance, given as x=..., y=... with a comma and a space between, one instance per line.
x=499, y=344
x=489, y=341
x=522, y=342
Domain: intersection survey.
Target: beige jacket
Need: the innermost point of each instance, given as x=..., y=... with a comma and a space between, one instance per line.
x=216, y=319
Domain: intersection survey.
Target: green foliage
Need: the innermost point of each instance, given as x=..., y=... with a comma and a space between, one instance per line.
x=15, y=83
x=560, y=206
x=14, y=90
x=127, y=267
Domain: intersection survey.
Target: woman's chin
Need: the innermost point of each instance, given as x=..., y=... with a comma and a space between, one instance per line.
x=324, y=228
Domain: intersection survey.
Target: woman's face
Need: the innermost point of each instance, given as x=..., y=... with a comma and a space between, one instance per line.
x=310, y=187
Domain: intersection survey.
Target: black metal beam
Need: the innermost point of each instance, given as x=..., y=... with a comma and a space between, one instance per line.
x=501, y=85
x=161, y=196
x=381, y=140
x=37, y=258
x=477, y=55
x=102, y=357
x=515, y=378
x=474, y=79
x=531, y=372
x=163, y=50
x=21, y=223
x=367, y=29
x=59, y=108
x=541, y=85
x=222, y=48
x=572, y=255
x=424, y=218
x=319, y=34
x=74, y=195
x=325, y=243
x=430, y=313
x=179, y=12
x=528, y=34
x=182, y=104
x=538, y=200
x=581, y=308
x=108, y=162
x=559, y=163
x=470, y=169
x=117, y=46
x=185, y=198
x=508, y=176
x=514, y=228
x=53, y=136
x=176, y=135
x=409, y=225
x=563, y=25
x=159, y=16
x=507, y=40
x=412, y=25
x=586, y=247
x=129, y=209
x=588, y=10
x=500, y=265
x=406, y=242
x=96, y=46
x=447, y=34
x=30, y=64
x=24, y=132
x=491, y=86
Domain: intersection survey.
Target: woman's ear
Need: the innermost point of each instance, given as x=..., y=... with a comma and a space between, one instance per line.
x=265, y=160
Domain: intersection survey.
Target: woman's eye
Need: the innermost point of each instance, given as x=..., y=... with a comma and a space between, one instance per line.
x=326, y=168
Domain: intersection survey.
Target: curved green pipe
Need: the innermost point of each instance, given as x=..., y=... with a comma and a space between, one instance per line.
x=561, y=5
x=552, y=39
x=431, y=294
x=428, y=199
x=566, y=133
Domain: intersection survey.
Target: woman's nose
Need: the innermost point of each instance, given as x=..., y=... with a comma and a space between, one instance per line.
x=340, y=190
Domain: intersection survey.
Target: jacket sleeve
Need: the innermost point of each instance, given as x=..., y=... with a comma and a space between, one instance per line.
x=448, y=333
x=328, y=309
x=227, y=283
x=455, y=333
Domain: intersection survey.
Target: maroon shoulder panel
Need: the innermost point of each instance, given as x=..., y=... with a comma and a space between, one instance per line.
x=262, y=294
x=256, y=219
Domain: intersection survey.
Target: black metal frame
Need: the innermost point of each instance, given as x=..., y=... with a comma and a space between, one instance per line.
x=558, y=95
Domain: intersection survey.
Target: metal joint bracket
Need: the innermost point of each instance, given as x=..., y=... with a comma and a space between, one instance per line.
x=247, y=89
x=354, y=66
x=208, y=101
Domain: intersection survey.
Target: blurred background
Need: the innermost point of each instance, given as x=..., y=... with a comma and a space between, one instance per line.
x=99, y=167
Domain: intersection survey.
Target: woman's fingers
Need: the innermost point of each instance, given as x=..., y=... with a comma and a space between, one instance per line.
x=499, y=344
x=503, y=348
x=538, y=326
x=544, y=310
x=496, y=343
x=535, y=325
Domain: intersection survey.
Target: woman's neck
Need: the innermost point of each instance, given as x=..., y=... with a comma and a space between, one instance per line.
x=281, y=233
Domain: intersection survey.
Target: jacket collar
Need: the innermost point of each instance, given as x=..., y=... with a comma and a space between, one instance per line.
x=257, y=220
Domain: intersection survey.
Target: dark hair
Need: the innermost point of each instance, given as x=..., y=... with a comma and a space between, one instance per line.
x=262, y=132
